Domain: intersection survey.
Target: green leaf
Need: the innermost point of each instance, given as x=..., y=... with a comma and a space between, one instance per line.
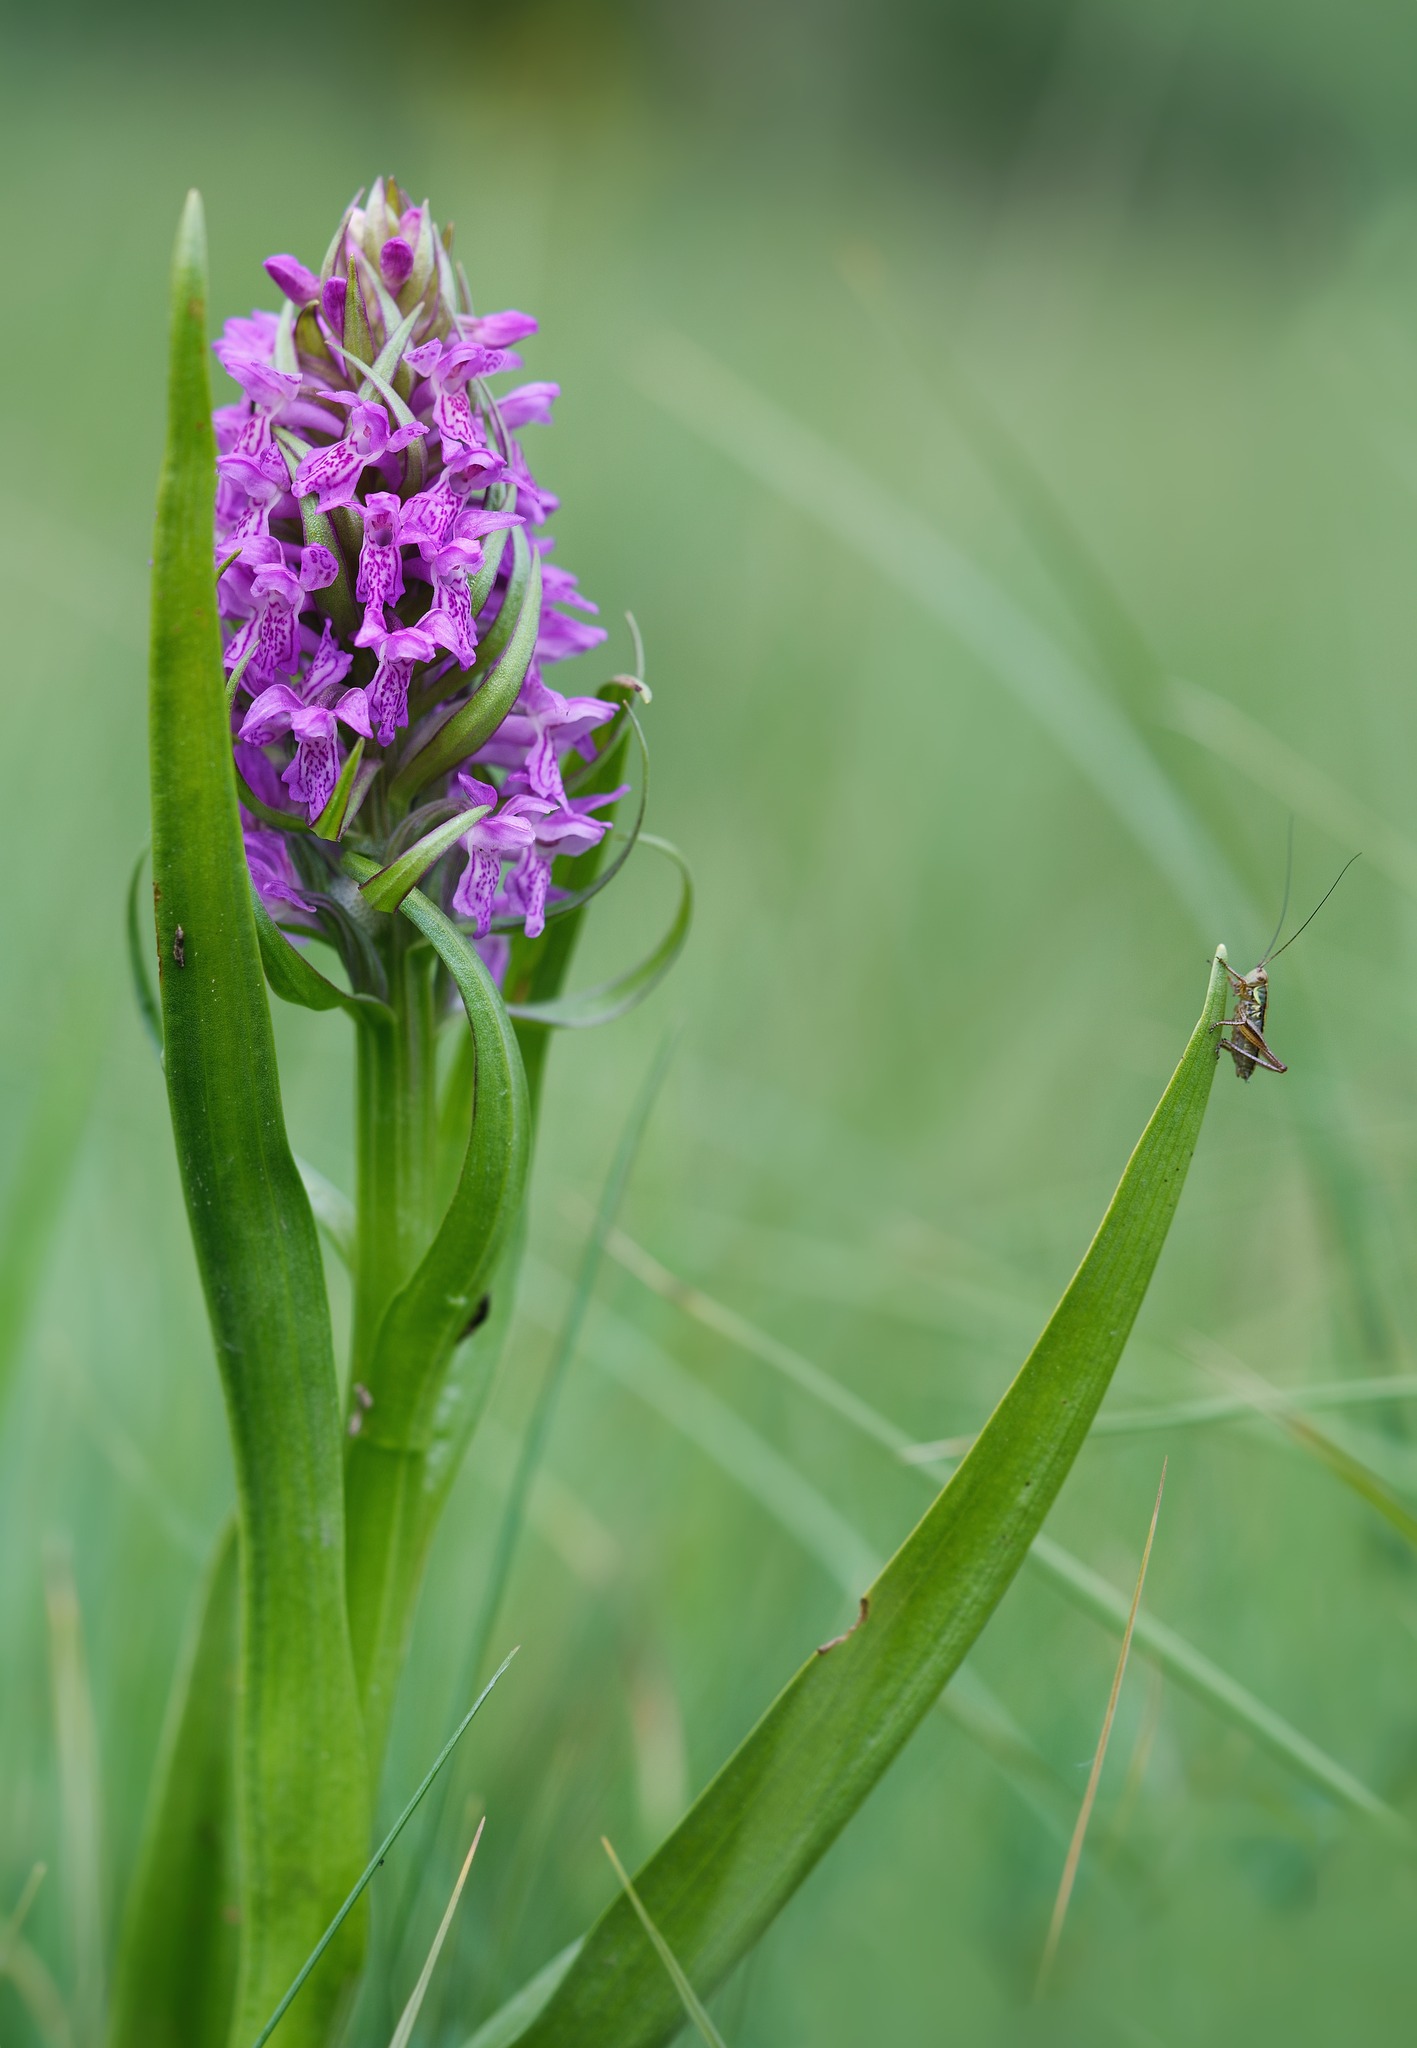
x=538, y=1429
x=781, y=1800
x=387, y=360
x=390, y=1513
x=387, y=889
x=295, y=980
x=476, y=721
x=479, y=587
x=330, y=822
x=304, y=1784
x=610, y=999
x=334, y=1212
x=176, y=1978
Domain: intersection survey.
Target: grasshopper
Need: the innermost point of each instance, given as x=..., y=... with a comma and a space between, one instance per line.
x=1246, y=1043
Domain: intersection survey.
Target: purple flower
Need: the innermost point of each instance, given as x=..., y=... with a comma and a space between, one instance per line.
x=272, y=869
x=396, y=263
x=332, y=473
x=271, y=636
x=312, y=775
x=489, y=842
x=380, y=580
x=544, y=720
x=399, y=656
x=529, y=404
x=246, y=352
x=294, y=279
x=496, y=330
x=567, y=829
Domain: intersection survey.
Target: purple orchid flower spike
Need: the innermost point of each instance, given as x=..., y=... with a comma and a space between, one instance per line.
x=412, y=559
x=504, y=835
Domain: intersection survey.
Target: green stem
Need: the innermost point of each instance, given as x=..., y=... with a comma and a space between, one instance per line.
x=395, y=1082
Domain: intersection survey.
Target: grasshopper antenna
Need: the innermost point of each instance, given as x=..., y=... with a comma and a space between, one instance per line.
x=1316, y=909
x=1284, y=905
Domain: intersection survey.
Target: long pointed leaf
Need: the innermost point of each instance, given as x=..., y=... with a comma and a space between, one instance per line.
x=304, y=1787
x=781, y=1800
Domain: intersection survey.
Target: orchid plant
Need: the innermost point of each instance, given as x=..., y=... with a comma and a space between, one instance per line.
x=368, y=798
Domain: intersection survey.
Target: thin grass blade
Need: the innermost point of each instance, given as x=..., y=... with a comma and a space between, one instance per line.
x=1074, y=1856
x=404, y=2030
x=689, y=1998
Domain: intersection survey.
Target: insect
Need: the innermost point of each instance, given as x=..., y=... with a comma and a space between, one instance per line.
x=1246, y=1043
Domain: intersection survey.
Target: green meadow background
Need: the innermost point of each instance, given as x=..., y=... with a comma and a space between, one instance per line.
x=982, y=409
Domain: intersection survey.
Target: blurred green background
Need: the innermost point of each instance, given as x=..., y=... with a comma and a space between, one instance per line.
x=838, y=295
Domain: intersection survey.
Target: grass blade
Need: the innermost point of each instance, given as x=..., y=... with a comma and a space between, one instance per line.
x=1350, y=1470
x=688, y=1997
x=303, y=1782
x=404, y=2030
x=1378, y=1392
x=378, y=1857
x=1074, y=1856
x=784, y=1796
